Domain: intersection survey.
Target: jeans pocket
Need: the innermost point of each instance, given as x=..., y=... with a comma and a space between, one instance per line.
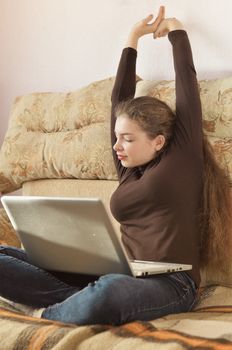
x=180, y=280
x=189, y=288
x=185, y=281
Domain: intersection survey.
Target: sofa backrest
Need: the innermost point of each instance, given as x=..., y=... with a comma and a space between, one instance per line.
x=66, y=135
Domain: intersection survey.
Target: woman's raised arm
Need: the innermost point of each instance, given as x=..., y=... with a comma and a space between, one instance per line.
x=124, y=86
x=188, y=103
x=125, y=82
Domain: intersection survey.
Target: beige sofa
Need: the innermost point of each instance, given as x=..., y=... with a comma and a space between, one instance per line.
x=58, y=144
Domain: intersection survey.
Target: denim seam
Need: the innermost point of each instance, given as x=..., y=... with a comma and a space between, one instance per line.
x=61, y=283
x=162, y=307
x=182, y=282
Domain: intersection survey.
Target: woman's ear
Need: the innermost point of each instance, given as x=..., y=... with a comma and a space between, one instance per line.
x=159, y=142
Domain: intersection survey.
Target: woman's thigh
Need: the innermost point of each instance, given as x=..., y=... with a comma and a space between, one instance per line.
x=25, y=283
x=117, y=299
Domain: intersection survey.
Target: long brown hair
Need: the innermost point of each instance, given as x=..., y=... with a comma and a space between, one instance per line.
x=216, y=213
x=155, y=117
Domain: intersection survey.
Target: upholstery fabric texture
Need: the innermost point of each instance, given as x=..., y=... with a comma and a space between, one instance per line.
x=216, y=99
x=207, y=327
x=58, y=135
x=66, y=135
x=8, y=235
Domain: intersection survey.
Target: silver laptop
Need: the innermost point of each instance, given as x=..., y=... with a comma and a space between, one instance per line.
x=74, y=235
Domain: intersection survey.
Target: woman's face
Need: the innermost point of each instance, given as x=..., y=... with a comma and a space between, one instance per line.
x=133, y=146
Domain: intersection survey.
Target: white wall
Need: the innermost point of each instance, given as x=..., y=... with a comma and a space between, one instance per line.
x=60, y=45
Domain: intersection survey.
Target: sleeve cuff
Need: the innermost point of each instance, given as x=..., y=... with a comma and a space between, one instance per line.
x=175, y=34
x=130, y=49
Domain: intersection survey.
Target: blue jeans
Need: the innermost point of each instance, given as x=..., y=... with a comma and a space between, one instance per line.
x=111, y=299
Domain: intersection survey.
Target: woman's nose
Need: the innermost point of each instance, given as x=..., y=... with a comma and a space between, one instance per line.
x=116, y=146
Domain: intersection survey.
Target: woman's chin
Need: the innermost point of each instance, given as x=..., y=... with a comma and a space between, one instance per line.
x=127, y=164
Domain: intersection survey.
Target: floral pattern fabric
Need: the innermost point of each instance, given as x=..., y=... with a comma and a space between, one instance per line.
x=67, y=135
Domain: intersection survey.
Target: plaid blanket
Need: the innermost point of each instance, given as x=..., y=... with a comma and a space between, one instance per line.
x=207, y=327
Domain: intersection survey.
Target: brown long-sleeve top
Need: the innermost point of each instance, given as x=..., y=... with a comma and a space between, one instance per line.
x=158, y=203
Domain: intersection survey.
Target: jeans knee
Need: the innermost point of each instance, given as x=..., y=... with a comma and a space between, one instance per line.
x=114, y=293
x=112, y=284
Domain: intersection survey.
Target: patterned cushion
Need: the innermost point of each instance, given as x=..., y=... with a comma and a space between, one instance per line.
x=66, y=135
x=8, y=235
x=58, y=135
x=216, y=99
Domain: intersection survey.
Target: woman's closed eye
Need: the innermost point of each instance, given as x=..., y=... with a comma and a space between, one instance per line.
x=127, y=140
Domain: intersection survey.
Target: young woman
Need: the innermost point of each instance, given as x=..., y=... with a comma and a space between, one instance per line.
x=160, y=159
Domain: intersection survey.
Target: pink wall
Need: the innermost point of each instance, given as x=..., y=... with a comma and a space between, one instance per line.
x=60, y=45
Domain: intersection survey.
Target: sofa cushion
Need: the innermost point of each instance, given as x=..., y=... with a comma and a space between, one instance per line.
x=66, y=135
x=8, y=235
x=216, y=99
x=58, y=135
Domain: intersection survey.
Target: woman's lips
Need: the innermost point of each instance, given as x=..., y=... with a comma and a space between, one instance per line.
x=121, y=157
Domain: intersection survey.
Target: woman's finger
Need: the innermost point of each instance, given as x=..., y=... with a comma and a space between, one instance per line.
x=161, y=12
x=159, y=18
x=147, y=19
x=162, y=29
